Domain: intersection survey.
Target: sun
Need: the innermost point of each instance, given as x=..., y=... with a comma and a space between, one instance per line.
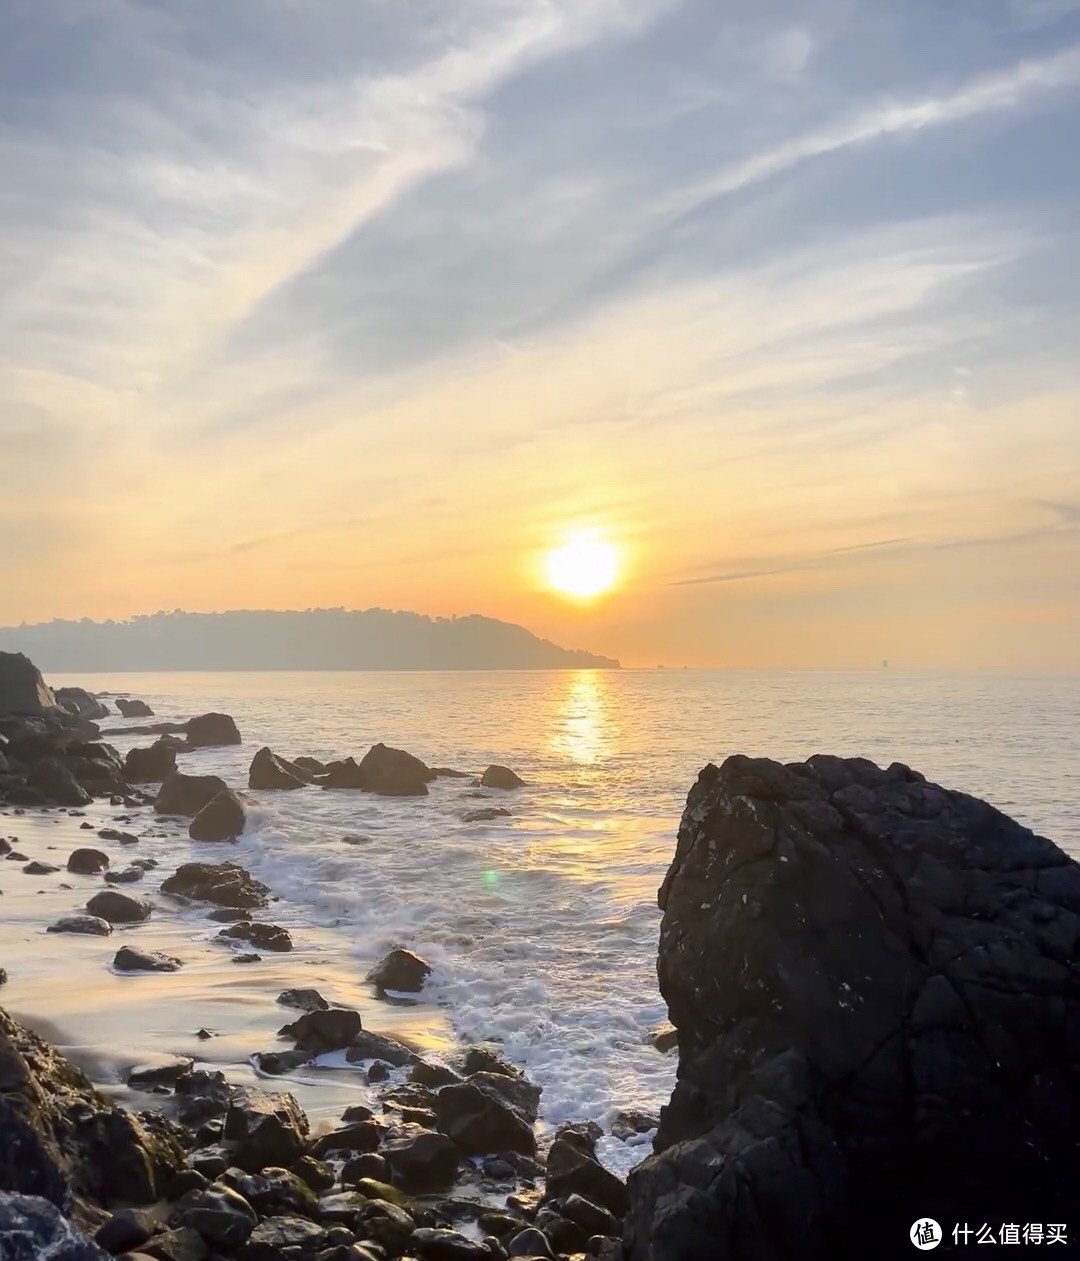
x=584, y=567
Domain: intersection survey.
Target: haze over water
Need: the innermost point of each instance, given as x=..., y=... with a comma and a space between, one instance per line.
x=542, y=926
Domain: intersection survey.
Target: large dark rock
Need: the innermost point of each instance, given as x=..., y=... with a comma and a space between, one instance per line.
x=132, y=707
x=223, y=884
x=573, y=1168
x=420, y=1159
x=481, y=1119
x=321, y=1030
x=270, y=771
x=368, y=1045
x=58, y=784
x=88, y=925
x=61, y=1140
x=87, y=862
x=33, y=1229
x=264, y=1129
x=343, y=774
x=220, y=1215
x=187, y=794
x=150, y=765
x=221, y=819
x=80, y=702
x=501, y=777
x=400, y=970
x=128, y=959
x=394, y=773
x=212, y=729
x=22, y=689
x=118, y=908
x=875, y=986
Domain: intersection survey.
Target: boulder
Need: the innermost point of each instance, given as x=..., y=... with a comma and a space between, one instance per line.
x=573, y=1168
x=151, y=765
x=127, y=959
x=394, y=773
x=501, y=777
x=88, y=925
x=33, y=1229
x=435, y=1243
x=368, y=1045
x=223, y=884
x=166, y=1073
x=873, y=979
x=211, y=729
x=57, y=784
x=61, y=1140
x=220, y=1215
x=22, y=689
x=359, y=1136
x=345, y=773
x=265, y=936
x=87, y=862
x=421, y=1160
x=222, y=819
x=174, y=1245
x=118, y=908
x=311, y=766
x=127, y=875
x=633, y=1122
x=187, y=794
x=270, y=771
x=127, y=1230
x=304, y=999
x=132, y=707
x=484, y=1057
x=322, y=1030
x=38, y=868
x=274, y=1234
x=264, y=1129
x=481, y=1120
x=400, y=970
x=80, y=702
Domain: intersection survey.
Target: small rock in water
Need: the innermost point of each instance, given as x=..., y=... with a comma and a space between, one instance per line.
x=265, y=936
x=249, y=956
x=277, y=1063
x=485, y=815
x=129, y=875
x=322, y=1030
x=167, y=1074
x=212, y=729
x=128, y=959
x=124, y=838
x=118, y=908
x=88, y=925
x=400, y=970
x=501, y=777
x=38, y=868
x=304, y=999
x=203, y=1034
x=222, y=819
x=633, y=1122
x=271, y=772
x=87, y=862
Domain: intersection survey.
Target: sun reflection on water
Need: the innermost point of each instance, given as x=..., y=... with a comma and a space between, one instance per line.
x=583, y=730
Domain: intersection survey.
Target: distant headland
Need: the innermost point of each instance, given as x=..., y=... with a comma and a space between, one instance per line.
x=311, y=639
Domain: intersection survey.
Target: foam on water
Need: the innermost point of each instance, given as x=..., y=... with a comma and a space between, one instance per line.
x=542, y=927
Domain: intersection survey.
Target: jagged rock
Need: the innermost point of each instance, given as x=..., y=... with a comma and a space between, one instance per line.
x=360, y=1136
x=169, y=1073
x=311, y=766
x=400, y=970
x=388, y=1225
x=270, y=771
x=151, y=765
x=343, y=774
x=421, y=1160
x=366, y=1165
x=276, y=1233
x=133, y=708
x=118, y=908
x=573, y=1167
x=212, y=729
x=127, y=875
x=278, y=1063
x=426, y=1073
x=481, y=1119
x=80, y=702
x=434, y=1243
x=501, y=777
x=22, y=689
x=665, y=1038
x=38, y=868
x=368, y=1045
x=633, y=1122
x=87, y=862
x=323, y=1029
x=58, y=785
x=873, y=979
x=394, y=773
x=88, y=925
x=33, y=1229
x=485, y=1058
x=128, y=959
x=187, y=794
x=61, y=1140
x=224, y=884
x=264, y=1129
x=222, y=819
x=485, y=815
x=203, y=1095
x=304, y=999
x=592, y=1218
x=265, y=936
x=176, y=1245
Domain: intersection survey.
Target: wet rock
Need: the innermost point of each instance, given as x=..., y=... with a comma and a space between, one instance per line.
x=324, y=1029
x=311, y=766
x=38, y=868
x=127, y=1230
x=520, y=1093
x=32, y=1229
x=268, y=771
x=224, y=884
x=421, y=1160
x=212, y=729
x=202, y=1095
x=632, y=1123
x=368, y=1045
x=248, y=956
x=128, y=959
x=304, y=999
x=151, y=765
x=529, y=1242
x=573, y=1167
x=187, y=794
x=394, y=773
x=264, y=1129
x=176, y=1245
x=365, y=1165
x=343, y=774
x=402, y=971
x=486, y=815
x=892, y=1042
x=58, y=785
x=227, y=915
x=221, y=1216
x=81, y=703
x=501, y=777
x=266, y=936
x=485, y=1058
x=665, y=1038
x=22, y=689
x=316, y=1174
x=127, y=875
x=481, y=1120
x=278, y=1063
x=436, y=1244
x=388, y=1225
x=133, y=708
x=113, y=834
x=360, y=1136
x=87, y=862
x=222, y=819
x=87, y=925
x=271, y=1236
x=118, y=908
x=592, y=1218
x=169, y=1073
x=426, y=1073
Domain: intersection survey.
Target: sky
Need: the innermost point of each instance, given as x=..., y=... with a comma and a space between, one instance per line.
x=374, y=302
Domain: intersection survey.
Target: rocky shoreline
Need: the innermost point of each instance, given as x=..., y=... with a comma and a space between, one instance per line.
x=873, y=983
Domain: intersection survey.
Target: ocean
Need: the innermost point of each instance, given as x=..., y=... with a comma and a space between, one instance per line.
x=542, y=926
